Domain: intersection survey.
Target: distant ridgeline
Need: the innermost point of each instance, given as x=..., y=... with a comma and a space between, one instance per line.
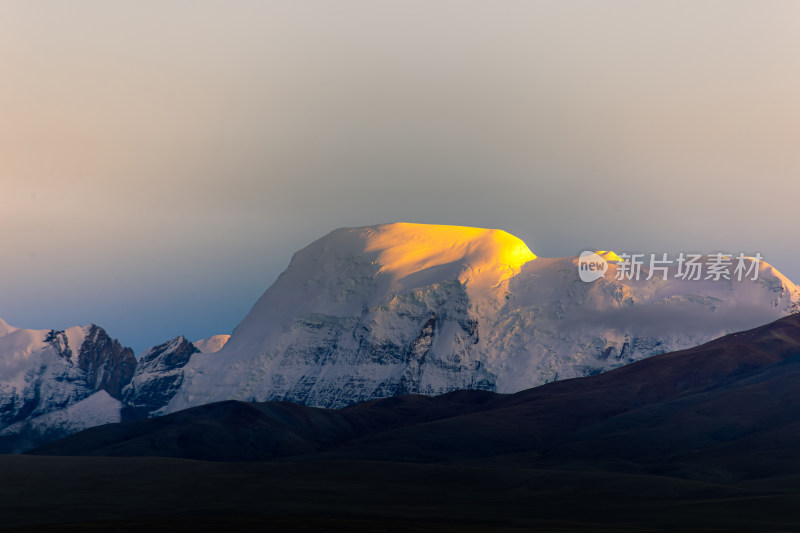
x=379, y=311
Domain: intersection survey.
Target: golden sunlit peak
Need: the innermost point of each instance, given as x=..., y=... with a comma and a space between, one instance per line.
x=483, y=256
x=608, y=255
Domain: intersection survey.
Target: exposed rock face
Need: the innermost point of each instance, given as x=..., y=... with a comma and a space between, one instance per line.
x=54, y=383
x=48, y=371
x=108, y=366
x=159, y=374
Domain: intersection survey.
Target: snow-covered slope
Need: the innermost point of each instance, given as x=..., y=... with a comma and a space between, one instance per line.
x=97, y=409
x=409, y=308
x=45, y=372
x=212, y=344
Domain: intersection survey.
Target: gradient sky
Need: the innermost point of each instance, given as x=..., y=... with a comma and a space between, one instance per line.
x=160, y=161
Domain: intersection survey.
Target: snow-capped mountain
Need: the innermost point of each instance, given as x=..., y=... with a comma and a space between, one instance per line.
x=57, y=382
x=54, y=383
x=409, y=308
x=379, y=311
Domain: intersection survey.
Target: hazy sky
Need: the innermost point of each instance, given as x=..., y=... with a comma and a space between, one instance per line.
x=160, y=161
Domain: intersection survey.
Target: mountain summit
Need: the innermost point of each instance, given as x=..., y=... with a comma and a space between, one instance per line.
x=352, y=267
x=377, y=311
